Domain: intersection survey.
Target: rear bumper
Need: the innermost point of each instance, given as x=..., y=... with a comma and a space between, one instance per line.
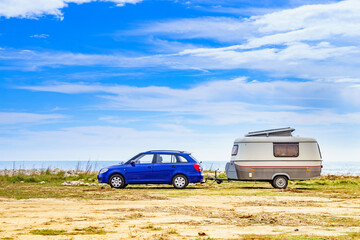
x=196, y=178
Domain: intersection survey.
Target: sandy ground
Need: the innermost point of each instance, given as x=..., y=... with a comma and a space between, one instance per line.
x=177, y=218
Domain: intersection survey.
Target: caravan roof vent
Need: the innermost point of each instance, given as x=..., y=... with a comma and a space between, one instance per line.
x=272, y=132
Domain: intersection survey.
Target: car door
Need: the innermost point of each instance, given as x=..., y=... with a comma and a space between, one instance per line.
x=164, y=167
x=141, y=171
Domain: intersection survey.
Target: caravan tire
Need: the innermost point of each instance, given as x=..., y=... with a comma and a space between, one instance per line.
x=280, y=182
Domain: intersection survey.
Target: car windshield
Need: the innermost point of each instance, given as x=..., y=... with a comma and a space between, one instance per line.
x=132, y=159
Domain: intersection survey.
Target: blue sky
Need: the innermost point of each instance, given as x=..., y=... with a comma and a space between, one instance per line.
x=103, y=80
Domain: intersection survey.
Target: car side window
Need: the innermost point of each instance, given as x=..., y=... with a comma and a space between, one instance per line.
x=145, y=159
x=181, y=159
x=165, y=158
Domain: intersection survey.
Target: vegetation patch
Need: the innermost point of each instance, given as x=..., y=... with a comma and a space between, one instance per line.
x=88, y=231
x=48, y=232
x=77, y=231
x=152, y=227
x=172, y=231
x=48, y=184
x=352, y=235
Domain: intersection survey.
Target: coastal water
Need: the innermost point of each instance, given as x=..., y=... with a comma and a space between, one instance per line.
x=344, y=168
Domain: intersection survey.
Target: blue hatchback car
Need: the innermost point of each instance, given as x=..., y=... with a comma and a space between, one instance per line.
x=178, y=168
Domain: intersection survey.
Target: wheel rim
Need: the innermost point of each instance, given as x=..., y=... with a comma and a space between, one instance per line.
x=280, y=182
x=179, y=181
x=116, y=181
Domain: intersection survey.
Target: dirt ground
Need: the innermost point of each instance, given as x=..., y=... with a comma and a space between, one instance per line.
x=188, y=217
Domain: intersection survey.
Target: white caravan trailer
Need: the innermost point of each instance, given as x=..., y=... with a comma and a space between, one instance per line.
x=274, y=156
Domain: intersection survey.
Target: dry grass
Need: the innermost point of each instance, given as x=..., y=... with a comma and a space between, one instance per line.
x=91, y=230
x=239, y=205
x=28, y=186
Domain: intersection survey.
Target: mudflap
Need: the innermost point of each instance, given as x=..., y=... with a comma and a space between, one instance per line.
x=231, y=170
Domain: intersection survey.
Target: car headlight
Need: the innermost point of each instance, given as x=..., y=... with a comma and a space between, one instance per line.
x=104, y=170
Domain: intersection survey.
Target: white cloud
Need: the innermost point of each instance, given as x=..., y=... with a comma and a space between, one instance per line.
x=320, y=42
x=43, y=35
x=220, y=28
x=108, y=143
x=38, y=8
x=230, y=102
x=304, y=23
x=304, y=60
x=12, y=118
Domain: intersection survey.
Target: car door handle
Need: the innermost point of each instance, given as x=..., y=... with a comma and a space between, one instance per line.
x=149, y=166
x=173, y=166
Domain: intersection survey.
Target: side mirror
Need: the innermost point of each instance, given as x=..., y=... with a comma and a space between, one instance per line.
x=132, y=163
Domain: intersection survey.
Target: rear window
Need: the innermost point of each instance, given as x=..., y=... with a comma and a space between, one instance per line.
x=234, y=150
x=194, y=158
x=286, y=149
x=181, y=159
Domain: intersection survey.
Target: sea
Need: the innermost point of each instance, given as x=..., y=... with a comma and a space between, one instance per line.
x=344, y=168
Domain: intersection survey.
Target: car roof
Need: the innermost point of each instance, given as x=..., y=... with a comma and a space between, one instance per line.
x=167, y=151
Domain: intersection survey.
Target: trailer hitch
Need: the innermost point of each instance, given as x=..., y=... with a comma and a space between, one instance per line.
x=216, y=179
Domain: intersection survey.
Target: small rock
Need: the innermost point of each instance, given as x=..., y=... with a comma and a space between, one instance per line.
x=42, y=182
x=22, y=181
x=207, y=221
x=296, y=230
x=202, y=234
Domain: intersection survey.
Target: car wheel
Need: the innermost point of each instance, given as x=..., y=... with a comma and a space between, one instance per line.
x=180, y=181
x=117, y=181
x=280, y=182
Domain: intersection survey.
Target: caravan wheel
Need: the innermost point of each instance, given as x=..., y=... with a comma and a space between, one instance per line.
x=280, y=182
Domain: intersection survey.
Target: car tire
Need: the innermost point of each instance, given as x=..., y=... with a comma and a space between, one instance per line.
x=280, y=182
x=117, y=181
x=180, y=181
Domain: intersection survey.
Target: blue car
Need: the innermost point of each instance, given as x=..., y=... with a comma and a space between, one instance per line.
x=178, y=168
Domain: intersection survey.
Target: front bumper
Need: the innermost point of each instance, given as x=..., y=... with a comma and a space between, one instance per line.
x=101, y=178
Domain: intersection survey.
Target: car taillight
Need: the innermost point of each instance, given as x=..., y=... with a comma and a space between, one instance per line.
x=197, y=167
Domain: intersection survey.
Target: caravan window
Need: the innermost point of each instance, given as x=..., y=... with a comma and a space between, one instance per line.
x=235, y=150
x=286, y=149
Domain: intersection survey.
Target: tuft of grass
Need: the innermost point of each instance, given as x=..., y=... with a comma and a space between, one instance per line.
x=88, y=231
x=172, y=231
x=130, y=234
x=77, y=231
x=152, y=227
x=48, y=232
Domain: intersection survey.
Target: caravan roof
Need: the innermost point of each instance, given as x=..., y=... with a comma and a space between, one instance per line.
x=272, y=132
x=274, y=139
x=274, y=135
